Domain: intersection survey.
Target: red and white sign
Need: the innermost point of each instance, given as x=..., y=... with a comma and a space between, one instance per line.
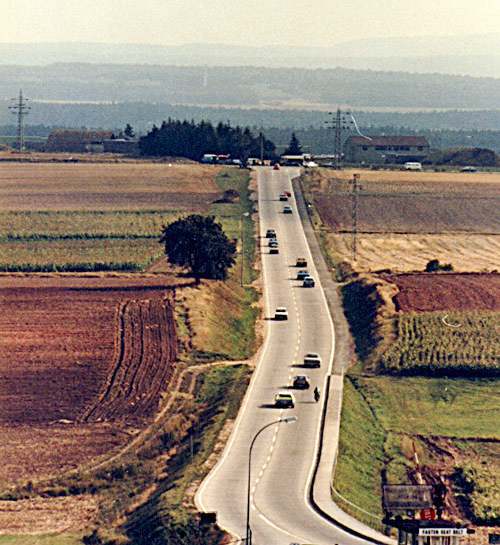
x=428, y=514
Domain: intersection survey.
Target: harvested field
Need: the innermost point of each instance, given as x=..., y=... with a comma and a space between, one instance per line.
x=402, y=253
x=434, y=292
x=66, y=357
x=393, y=213
x=402, y=202
x=122, y=186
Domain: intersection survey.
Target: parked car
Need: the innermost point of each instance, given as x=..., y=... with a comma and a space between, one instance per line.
x=301, y=262
x=283, y=197
x=273, y=243
x=288, y=194
x=276, y=166
x=285, y=400
x=302, y=274
x=287, y=210
x=308, y=282
x=468, y=169
x=301, y=382
x=270, y=233
x=312, y=359
x=281, y=313
x=275, y=250
x=412, y=165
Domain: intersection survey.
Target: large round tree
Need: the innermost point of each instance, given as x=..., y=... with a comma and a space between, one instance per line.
x=199, y=243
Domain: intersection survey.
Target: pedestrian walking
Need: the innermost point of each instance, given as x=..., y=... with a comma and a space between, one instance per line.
x=316, y=394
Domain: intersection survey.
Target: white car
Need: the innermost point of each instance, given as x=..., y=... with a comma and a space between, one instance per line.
x=312, y=359
x=412, y=165
x=281, y=313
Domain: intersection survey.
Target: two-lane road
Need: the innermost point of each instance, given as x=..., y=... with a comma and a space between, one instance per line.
x=283, y=456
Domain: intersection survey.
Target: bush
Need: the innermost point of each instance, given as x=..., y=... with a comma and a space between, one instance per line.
x=434, y=266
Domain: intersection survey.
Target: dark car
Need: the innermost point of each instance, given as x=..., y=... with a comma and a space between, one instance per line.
x=301, y=262
x=274, y=251
x=301, y=382
x=302, y=274
x=270, y=233
x=276, y=167
x=284, y=400
x=283, y=197
x=273, y=243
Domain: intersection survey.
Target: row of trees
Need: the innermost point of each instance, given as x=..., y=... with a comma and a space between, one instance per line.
x=192, y=140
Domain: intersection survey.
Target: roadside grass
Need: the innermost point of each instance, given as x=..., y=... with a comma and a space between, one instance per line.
x=383, y=418
x=168, y=515
x=360, y=458
x=45, y=539
x=453, y=407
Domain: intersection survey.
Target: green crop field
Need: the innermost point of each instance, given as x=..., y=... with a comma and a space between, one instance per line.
x=425, y=344
x=83, y=224
x=78, y=255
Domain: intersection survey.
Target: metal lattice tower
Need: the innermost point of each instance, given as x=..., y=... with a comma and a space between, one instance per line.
x=354, y=213
x=21, y=109
x=340, y=121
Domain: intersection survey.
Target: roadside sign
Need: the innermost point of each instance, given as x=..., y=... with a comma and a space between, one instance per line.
x=440, y=532
x=428, y=514
x=403, y=497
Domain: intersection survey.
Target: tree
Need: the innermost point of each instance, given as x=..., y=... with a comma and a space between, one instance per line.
x=199, y=243
x=129, y=131
x=294, y=147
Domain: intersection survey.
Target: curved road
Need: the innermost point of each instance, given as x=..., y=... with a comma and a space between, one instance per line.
x=283, y=456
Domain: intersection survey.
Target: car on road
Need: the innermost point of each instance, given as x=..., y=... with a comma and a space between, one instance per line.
x=276, y=166
x=468, y=169
x=271, y=233
x=281, y=313
x=301, y=262
x=273, y=243
x=302, y=274
x=308, y=282
x=284, y=400
x=301, y=382
x=287, y=210
x=283, y=197
x=312, y=359
x=275, y=250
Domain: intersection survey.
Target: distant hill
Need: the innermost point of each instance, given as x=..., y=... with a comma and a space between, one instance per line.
x=475, y=55
x=248, y=86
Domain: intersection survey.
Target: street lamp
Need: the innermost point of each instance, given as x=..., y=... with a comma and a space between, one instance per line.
x=287, y=420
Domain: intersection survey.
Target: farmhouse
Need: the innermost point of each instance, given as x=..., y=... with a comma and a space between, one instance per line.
x=385, y=149
x=75, y=140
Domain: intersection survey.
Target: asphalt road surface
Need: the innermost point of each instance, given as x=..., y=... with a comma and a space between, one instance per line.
x=283, y=456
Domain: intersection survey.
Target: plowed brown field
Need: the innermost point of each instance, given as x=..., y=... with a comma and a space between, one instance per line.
x=73, y=358
x=435, y=292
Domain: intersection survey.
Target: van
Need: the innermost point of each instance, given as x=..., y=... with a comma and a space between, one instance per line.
x=412, y=165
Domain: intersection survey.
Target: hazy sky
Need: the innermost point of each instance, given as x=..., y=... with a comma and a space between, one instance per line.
x=253, y=22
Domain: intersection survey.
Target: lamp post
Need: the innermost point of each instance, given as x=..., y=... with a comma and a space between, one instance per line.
x=287, y=420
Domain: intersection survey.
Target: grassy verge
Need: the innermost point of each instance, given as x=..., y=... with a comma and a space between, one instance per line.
x=48, y=539
x=361, y=458
x=452, y=424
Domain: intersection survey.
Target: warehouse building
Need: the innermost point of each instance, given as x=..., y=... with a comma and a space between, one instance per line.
x=385, y=149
